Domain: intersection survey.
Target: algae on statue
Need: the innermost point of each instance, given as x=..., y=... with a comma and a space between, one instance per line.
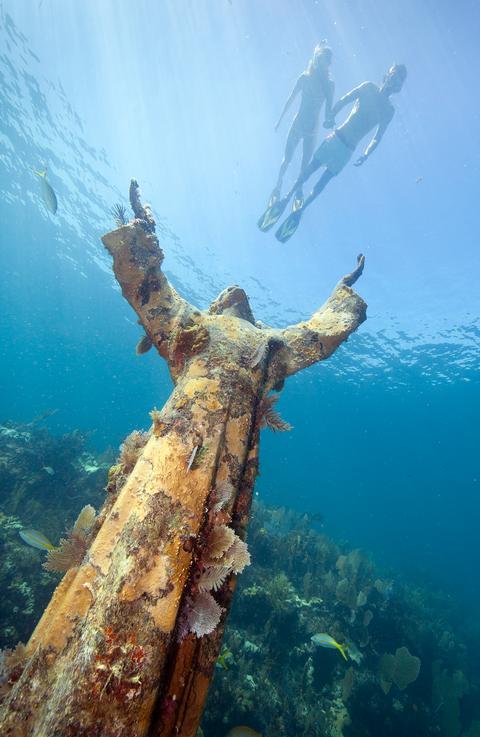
x=128, y=644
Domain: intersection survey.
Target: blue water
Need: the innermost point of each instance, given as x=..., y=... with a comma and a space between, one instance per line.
x=184, y=96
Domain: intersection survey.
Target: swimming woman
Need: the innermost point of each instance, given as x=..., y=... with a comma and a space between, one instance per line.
x=316, y=87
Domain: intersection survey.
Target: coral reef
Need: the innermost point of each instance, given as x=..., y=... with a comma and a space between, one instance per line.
x=409, y=669
x=279, y=683
x=25, y=587
x=44, y=482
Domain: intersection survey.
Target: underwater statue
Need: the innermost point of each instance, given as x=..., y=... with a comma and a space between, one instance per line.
x=128, y=644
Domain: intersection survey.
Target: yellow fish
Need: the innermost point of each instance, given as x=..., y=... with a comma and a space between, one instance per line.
x=48, y=195
x=224, y=659
x=322, y=639
x=243, y=732
x=36, y=539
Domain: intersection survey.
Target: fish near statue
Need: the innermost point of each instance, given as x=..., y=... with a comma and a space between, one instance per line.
x=48, y=195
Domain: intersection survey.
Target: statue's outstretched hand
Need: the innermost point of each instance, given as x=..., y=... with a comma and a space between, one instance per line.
x=350, y=279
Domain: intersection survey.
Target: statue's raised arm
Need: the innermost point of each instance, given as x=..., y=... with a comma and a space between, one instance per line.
x=137, y=264
x=317, y=338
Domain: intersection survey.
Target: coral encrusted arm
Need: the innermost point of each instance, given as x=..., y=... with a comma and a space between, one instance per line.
x=137, y=262
x=317, y=338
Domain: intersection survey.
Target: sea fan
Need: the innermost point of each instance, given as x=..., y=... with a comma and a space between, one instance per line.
x=69, y=553
x=223, y=493
x=240, y=555
x=131, y=449
x=204, y=614
x=11, y=659
x=12, y=663
x=234, y=558
x=269, y=416
x=212, y=578
x=119, y=214
x=85, y=520
x=219, y=540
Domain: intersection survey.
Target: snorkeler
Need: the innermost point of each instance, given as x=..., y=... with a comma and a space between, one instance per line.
x=372, y=108
x=316, y=87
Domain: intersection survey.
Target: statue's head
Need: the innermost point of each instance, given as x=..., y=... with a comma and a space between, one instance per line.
x=233, y=301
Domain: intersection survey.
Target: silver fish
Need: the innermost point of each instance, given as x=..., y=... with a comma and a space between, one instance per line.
x=192, y=457
x=258, y=355
x=48, y=195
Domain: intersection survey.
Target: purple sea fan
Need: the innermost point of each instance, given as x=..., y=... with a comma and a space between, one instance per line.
x=204, y=614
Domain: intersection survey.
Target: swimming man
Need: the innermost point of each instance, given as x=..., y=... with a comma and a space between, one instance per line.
x=372, y=109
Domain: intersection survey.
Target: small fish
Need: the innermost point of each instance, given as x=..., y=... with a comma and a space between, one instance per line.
x=225, y=657
x=322, y=639
x=49, y=196
x=243, y=732
x=36, y=539
x=258, y=354
x=221, y=663
x=49, y=470
x=143, y=345
x=192, y=457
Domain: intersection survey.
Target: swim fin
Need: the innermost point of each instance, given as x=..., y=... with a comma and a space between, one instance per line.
x=274, y=197
x=289, y=226
x=272, y=215
x=297, y=203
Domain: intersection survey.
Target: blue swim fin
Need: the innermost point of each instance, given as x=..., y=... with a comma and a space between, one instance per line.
x=272, y=215
x=289, y=226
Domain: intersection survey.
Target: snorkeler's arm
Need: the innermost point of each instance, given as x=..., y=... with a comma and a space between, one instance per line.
x=379, y=133
x=329, y=118
x=349, y=97
x=293, y=94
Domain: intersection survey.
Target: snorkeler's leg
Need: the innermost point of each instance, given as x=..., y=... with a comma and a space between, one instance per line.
x=290, y=225
x=293, y=139
x=318, y=188
x=308, y=149
x=305, y=174
x=276, y=206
